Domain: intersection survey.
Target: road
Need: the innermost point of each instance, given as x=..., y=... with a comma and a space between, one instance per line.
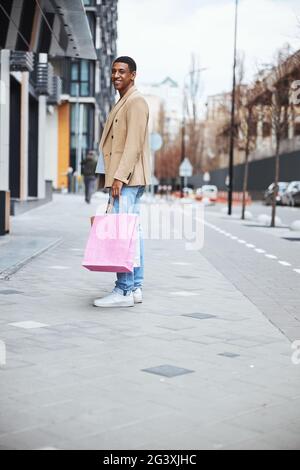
x=262, y=262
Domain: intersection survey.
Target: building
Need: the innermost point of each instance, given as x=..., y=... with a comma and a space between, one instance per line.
x=55, y=93
x=165, y=95
x=87, y=94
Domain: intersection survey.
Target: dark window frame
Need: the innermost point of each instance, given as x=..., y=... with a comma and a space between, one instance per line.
x=88, y=134
x=86, y=82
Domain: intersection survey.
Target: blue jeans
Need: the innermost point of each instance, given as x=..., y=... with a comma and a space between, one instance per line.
x=130, y=203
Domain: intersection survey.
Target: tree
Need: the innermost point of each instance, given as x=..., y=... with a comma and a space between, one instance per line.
x=247, y=127
x=168, y=157
x=191, y=107
x=250, y=122
x=246, y=122
x=278, y=84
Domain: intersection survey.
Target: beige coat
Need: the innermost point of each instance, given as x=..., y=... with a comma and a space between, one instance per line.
x=124, y=142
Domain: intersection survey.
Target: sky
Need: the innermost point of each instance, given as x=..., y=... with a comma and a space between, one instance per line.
x=161, y=35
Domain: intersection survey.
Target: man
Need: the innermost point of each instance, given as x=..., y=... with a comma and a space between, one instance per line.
x=88, y=171
x=125, y=149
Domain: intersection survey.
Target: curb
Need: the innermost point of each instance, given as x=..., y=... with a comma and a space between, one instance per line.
x=5, y=274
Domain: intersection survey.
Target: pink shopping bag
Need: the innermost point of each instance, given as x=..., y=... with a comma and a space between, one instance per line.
x=111, y=245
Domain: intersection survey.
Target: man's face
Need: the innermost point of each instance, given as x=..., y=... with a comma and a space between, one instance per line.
x=121, y=76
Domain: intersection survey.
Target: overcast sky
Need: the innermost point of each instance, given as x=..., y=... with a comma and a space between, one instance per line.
x=161, y=35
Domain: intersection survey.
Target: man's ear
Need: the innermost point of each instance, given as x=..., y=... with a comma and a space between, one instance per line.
x=133, y=75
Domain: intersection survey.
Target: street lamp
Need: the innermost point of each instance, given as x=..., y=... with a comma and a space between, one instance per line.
x=231, y=148
x=183, y=136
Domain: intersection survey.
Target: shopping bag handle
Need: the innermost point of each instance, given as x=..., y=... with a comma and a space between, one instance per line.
x=109, y=208
x=110, y=204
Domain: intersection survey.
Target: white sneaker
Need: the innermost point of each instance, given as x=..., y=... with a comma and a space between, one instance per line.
x=138, y=296
x=115, y=299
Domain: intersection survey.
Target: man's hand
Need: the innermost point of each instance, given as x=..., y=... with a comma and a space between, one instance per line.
x=116, y=188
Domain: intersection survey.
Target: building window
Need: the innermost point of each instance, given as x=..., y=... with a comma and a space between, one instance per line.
x=297, y=128
x=266, y=129
x=80, y=78
x=82, y=132
x=92, y=23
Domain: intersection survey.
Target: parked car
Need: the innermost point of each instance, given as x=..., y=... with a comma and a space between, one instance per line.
x=208, y=191
x=269, y=193
x=296, y=199
x=288, y=197
x=187, y=191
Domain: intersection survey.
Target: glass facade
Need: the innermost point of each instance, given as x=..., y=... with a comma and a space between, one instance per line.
x=82, y=78
x=82, y=132
x=89, y=107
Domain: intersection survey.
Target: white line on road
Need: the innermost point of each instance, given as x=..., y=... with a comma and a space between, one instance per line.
x=250, y=245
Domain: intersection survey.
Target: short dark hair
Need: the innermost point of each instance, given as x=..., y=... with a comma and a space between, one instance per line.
x=127, y=60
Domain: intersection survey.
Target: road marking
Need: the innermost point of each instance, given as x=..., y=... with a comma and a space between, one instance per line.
x=59, y=267
x=184, y=293
x=28, y=324
x=249, y=245
x=181, y=263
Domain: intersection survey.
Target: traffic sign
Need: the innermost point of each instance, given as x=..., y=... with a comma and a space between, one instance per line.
x=186, y=168
x=206, y=177
x=155, y=141
x=154, y=180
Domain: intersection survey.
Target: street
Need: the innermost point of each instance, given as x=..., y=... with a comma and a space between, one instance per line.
x=263, y=263
x=207, y=361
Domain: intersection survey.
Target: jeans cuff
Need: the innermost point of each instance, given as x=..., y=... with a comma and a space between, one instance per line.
x=122, y=292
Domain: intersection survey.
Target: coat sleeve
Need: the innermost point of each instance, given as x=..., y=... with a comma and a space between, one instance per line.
x=137, y=116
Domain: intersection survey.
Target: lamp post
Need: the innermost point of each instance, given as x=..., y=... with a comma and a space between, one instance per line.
x=183, y=138
x=232, y=130
x=184, y=105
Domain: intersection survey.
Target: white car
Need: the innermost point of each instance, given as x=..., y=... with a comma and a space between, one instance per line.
x=287, y=197
x=208, y=191
x=187, y=191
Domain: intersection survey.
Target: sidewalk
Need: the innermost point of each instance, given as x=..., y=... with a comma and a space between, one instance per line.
x=77, y=377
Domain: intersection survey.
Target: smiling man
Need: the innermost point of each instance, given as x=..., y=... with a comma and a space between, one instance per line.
x=125, y=148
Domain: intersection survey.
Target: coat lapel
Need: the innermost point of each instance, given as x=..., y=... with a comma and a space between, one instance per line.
x=113, y=113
